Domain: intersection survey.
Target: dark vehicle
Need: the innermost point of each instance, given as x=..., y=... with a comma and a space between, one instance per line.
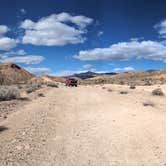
x=71, y=82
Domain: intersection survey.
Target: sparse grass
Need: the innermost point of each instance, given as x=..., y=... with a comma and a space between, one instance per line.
x=148, y=103
x=32, y=87
x=157, y=92
x=8, y=93
x=123, y=92
x=51, y=84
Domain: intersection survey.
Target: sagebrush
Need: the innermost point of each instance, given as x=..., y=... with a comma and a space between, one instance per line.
x=9, y=93
x=32, y=87
x=51, y=84
x=157, y=92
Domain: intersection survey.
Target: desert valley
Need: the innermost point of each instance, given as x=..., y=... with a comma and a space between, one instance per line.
x=115, y=120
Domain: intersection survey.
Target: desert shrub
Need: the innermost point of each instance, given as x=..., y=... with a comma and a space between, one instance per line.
x=32, y=87
x=148, y=83
x=157, y=92
x=41, y=95
x=132, y=86
x=148, y=103
x=51, y=84
x=109, y=90
x=121, y=83
x=123, y=92
x=103, y=87
x=8, y=93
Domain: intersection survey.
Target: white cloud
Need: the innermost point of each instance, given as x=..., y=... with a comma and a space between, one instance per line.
x=125, y=69
x=100, y=33
x=18, y=52
x=6, y=43
x=56, y=30
x=87, y=66
x=161, y=28
x=23, y=11
x=126, y=50
x=69, y=72
x=3, y=29
x=29, y=59
x=38, y=70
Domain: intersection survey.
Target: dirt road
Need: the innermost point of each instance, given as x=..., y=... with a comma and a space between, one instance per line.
x=85, y=126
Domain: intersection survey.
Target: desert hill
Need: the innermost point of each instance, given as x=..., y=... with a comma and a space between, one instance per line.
x=12, y=74
x=139, y=77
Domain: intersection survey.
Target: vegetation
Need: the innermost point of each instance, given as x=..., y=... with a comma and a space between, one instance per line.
x=148, y=103
x=41, y=95
x=32, y=88
x=157, y=92
x=51, y=84
x=123, y=92
x=8, y=93
x=132, y=86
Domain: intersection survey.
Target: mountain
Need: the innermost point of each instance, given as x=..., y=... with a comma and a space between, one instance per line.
x=138, y=77
x=89, y=74
x=13, y=74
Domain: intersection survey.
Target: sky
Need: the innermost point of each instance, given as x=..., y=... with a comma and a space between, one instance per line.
x=71, y=36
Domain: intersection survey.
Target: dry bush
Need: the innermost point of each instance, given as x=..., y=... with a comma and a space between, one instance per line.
x=157, y=92
x=8, y=93
x=41, y=95
x=148, y=103
x=32, y=88
x=109, y=90
x=51, y=84
x=123, y=92
x=121, y=83
x=132, y=86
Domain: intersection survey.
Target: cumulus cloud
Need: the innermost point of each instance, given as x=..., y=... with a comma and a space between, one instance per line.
x=6, y=43
x=18, y=52
x=87, y=66
x=161, y=28
x=126, y=50
x=124, y=69
x=38, y=70
x=56, y=30
x=3, y=29
x=29, y=59
x=65, y=73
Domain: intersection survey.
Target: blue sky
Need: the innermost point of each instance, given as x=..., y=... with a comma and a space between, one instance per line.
x=70, y=36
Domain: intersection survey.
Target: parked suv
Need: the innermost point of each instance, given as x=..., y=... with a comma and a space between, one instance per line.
x=71, y=82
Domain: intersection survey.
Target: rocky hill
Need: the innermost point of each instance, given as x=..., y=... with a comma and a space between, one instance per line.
x=13, y=74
